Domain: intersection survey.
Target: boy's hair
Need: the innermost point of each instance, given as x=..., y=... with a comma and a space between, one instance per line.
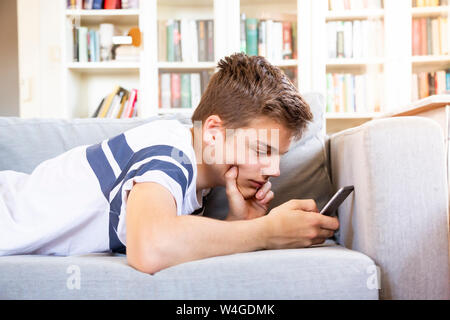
x=247, y=87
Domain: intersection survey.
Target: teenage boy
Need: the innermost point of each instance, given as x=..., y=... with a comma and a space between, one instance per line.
x=139, y=190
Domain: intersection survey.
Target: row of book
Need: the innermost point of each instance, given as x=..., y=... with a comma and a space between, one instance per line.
x=355, y=39
x=90, y=45
x=102, y=4
x=339, y=5
x=354, y=93
x=119, y=104
x=86, y=45
x=430, y=36
x=182, y=90
x=275, y=40
x=426, y=84
x=429, y=3
x=186, y=40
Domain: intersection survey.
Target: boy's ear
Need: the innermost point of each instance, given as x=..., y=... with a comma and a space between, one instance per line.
x=212, y=127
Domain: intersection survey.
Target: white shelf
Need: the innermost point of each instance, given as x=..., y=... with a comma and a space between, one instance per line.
x=353, y=62
x=349, y=115
x=118, y=16
x=176, y=110
x=286, y=63
x=186, y=65
x=429, y=11
x=364, y=14
x=443, y=61
x=96, y=67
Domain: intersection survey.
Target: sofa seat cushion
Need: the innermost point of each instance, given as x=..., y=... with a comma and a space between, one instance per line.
x=324, y=272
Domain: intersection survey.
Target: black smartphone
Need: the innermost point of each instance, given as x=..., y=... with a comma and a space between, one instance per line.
x=336, y=200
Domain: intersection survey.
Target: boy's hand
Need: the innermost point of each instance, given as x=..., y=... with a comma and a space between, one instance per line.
x=240, y=208
x=297, y=224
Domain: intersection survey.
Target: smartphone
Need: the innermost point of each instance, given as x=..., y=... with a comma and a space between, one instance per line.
x=336, y=200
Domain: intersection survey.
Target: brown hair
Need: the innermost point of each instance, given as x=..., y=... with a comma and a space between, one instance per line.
x=247, y=87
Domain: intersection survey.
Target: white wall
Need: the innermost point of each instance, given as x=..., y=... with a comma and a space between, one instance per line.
x=40, y=57
x=9, y=68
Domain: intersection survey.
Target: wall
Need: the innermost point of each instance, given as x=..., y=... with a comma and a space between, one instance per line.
x=40, y=57
x=9, y=63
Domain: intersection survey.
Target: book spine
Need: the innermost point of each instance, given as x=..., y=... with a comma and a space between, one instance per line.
x=252, y=36
x=243, y=36
x=424, y=38
x=202, y=55
x=130, y=104
x=176, y=90
x=294, y=40
x=162, y=38
x=287, y=40
x=340, y=40
x=165, y=91
x=210, y=40
x=170, y=41
x=185, y=90
x=447, y=79
x=416, y=37
x=177, y=40
x=98, y=4
x=195, y=90
x=83, y=48
x=262, y=38
x=205, y=76
x=429, y=37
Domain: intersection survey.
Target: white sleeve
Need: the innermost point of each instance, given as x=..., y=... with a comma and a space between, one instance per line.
x=174, y=182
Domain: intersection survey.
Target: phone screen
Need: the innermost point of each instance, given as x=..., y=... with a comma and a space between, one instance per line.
x=336, y=200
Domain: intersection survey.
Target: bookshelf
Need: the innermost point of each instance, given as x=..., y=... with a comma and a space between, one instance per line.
x=388, y=62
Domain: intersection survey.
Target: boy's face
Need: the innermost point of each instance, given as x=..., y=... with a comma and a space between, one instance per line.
x=255, y=150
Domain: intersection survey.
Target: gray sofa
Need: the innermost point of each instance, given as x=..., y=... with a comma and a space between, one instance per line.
x=392, y=244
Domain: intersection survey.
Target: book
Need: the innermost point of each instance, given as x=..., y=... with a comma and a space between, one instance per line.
x=107, y=104
x=251, y=28
x=175, y=86
x=165, y=90
x=128, y=112
x=195, y=90
x=97, y=111
x=262, y=38
x=88, y=4
x=162, y=40
x=112, y=4
x=82, y=44
x=243, y=35
x=122, y=105
x=170, y=41
x=185, y=90
x=210, y=40
x=177, y=40
x=202, y=45
x=287, y=40
x=97, y=4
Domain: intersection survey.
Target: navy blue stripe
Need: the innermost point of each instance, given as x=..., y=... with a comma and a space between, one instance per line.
x=158, y=150
x=168, y=168
x=101, y=167
x=120, y=150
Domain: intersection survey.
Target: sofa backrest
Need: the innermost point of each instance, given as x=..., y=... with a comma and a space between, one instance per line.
x=25, y=143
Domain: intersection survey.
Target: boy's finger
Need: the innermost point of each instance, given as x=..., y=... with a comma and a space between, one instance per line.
x=230, y=180
x=269, y=197
x=262, y=192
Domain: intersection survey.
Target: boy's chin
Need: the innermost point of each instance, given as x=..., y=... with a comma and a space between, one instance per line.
x=247, y=192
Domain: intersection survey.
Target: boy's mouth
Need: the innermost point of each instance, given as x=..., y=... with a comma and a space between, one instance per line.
x=256, y=184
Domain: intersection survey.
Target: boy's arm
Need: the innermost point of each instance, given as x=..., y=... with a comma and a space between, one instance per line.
x=157, y=238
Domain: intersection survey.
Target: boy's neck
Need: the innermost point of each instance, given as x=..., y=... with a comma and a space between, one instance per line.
x=203, y=172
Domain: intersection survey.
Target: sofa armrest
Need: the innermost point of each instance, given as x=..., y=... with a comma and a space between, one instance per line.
x=398, y=214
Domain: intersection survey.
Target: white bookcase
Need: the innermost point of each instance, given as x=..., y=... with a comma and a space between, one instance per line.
x=85, y=84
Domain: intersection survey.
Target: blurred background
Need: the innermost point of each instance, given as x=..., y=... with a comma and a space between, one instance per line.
x=131, y=58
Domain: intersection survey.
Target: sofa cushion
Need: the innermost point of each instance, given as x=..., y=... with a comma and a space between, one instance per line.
x=25, y=143
x=304, y=169
x=326, y=272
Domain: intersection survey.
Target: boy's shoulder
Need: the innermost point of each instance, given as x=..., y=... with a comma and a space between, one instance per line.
x=160, y=132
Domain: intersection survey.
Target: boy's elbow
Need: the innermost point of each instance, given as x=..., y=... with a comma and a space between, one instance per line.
x=147, y=260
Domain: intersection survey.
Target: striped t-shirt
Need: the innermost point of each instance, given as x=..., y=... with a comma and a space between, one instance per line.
x=75, y=203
